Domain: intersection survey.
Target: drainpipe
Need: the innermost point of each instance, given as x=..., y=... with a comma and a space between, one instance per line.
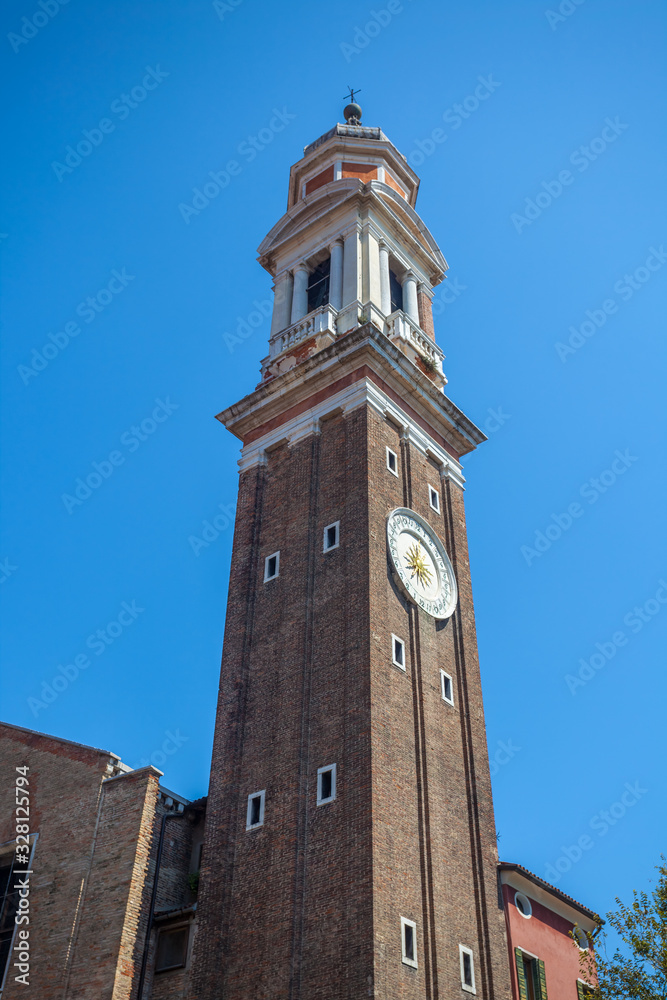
x=151, y=911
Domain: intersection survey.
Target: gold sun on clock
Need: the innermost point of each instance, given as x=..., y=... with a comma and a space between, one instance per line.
x=420, y=564
x=415, y=560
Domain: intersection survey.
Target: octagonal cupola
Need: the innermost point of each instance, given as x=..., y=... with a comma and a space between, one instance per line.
x=352, y=249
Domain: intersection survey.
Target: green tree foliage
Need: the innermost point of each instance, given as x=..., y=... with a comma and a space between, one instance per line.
x=638, y=968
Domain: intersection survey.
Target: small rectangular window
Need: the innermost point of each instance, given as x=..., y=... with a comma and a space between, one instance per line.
x=172, y=949
x=326, y=784
x=434, y=499
x=331, y=536
x=255, y=813
x=446, y=688
x=392, y=462
x=271, y=567
x=398, y=652
x=408, y=942
x=467, y=969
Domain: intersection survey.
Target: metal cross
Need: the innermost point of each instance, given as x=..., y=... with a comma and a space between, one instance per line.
x=351, y=94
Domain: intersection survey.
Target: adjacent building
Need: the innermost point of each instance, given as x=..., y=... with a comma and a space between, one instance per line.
x=547, y=931
x=100, y=923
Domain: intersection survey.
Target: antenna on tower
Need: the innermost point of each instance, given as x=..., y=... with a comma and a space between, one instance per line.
x=353, y=110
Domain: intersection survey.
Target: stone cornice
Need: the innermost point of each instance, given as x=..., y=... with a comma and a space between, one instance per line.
x=283, y=245
x=362, y=142
x=411, y=398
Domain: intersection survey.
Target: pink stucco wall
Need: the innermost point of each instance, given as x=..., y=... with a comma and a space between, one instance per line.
x=546, y=935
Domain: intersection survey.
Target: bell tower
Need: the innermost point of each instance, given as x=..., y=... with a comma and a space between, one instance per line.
x=350, y=848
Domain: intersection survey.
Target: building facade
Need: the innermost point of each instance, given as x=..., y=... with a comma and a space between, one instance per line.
x=347, y=847
x=547, y=931
x=350, y=838
x=108, y=896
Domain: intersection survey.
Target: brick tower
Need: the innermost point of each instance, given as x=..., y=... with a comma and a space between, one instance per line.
x=350, y=846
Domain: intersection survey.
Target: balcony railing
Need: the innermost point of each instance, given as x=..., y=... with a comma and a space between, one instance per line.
x=321, y=320
x=400, y=327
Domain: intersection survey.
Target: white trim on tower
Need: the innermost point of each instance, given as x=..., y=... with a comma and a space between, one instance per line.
x=362, y=393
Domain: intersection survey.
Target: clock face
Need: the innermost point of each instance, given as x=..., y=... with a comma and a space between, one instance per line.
x=420, y=564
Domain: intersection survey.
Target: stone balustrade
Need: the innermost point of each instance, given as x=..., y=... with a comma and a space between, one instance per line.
x=321, y=320
x=402, y=330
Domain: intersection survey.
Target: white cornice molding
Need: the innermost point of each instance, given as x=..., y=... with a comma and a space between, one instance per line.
x=362, y=393
x=284, y=244
x=371, y=148
x=550, y=901
x=385, y=192
x=358, y=158
x=382, y=235
x=365, y=345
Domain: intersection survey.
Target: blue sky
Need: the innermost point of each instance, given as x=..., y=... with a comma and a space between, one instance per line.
x=546, y=198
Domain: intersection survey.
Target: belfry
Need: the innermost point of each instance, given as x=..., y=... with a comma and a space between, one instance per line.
x=350, y=840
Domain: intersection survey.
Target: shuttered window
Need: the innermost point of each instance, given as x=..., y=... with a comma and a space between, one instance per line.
x=542, y=979
x=172, y=949
x=531, y=976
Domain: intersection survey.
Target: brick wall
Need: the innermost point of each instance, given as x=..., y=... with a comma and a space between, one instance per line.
x=180, y=854
x=89, y=864
x=58, y=774
x=425, y=306
x=288, y=907
x=107, y=945
x=309, y=905
x=435, y=858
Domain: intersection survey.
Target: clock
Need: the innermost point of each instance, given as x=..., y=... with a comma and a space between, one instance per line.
x=420, y=564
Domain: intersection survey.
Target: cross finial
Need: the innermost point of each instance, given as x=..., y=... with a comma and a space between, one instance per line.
x=352, y=111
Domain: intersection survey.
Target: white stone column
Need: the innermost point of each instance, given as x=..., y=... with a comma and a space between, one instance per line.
x=410, y=305
x=370, y=278
x=385, y=286
x=300, y=295
x=351, y=269
x=336, y=275
x=282, y=302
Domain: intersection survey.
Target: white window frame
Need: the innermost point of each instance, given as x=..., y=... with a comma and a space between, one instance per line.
x=275, y=576
x=464, y=950
x=394, y=472
x=445, y=676
x=412, y=962
x=320, y=772
x=330, y=548
x=397, y=639
x=431, y=493
x=525, y=902
x=262, y=799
